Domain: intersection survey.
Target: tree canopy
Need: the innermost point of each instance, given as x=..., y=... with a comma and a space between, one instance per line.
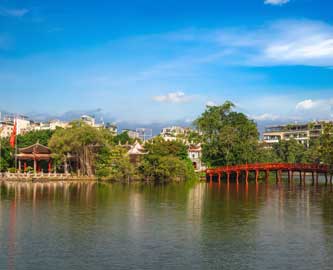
x=229, y=137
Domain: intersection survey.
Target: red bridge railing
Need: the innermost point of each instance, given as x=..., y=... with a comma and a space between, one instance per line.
x=291, y=168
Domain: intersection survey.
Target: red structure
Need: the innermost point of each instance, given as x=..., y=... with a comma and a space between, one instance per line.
x=35, y=153
x=278, y=168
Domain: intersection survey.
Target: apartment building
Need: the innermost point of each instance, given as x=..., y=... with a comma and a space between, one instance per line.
x=303, y=133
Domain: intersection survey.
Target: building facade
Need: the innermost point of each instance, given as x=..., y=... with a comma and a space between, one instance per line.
x=174, y=133
x=195, y=155
x=112, y=128
x=133, y=134
x=303, y=133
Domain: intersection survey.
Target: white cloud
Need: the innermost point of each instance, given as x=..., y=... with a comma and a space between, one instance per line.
x=276, y=2
x=306, y=104
x=265, y=117
x=13, y=12
x=315, y=109
x=287, y=42
x=173, y=97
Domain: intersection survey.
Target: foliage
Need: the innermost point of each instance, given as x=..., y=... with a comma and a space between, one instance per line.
x=326, y=145
x=229, y=137
x=123, y=138
x=312, y=154
x=194, y=137
x=158, y=146
x=112, y=163
x=166, y=161
x=289, y=151
x=266, y=154
x=81, y=142
x=6, y=160
x=167, y=169
x=30, y=138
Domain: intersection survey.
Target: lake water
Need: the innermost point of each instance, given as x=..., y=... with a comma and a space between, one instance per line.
x=180, y=226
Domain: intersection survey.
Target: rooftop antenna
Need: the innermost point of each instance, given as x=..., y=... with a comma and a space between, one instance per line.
x=145, y=133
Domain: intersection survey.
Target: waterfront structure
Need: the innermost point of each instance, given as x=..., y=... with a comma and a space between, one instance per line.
x=35, y=153
x=278, y=168
x=302, y=133
x=195, y=155
x=174, y=133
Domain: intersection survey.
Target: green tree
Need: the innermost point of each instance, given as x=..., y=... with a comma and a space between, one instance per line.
x=158, y=146
x=113, y=164
x=290, y=151
x=166, y=161
x=312, y=154
x=229, y=137
x=326, y=145
x=81, y=142
x=7, y=154
x=41, y=136
x=123, y=138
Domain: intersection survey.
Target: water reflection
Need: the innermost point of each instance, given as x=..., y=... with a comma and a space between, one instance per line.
x=193, y=225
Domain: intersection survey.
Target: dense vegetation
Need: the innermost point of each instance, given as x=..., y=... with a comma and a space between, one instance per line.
x=227, y=138
x=231, y=138
x=99, y=153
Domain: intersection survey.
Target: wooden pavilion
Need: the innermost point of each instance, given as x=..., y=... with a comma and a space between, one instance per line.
x=36, y=153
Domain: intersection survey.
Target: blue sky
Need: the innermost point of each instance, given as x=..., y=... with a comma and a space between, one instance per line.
x=158, y=61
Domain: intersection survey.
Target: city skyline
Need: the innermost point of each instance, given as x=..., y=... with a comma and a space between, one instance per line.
x=163, y=62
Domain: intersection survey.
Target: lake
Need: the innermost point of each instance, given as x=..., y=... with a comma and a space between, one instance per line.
x=177, y=226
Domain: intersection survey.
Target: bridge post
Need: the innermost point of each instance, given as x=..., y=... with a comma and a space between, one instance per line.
x=257, y=176
x=289, y=176
x=326, y=178
x=246, y=176
x=292, y=176
x=267, y=176
x=228, y=178
x=313, y=177
x=211, y=178
x=300, y=177
x=278, y=176
x=317, y=178
x=304, y=177
x=237, y=177
x=219, y=175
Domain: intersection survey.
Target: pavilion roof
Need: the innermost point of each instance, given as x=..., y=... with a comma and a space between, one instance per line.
x=36, y=148
x=137, y=149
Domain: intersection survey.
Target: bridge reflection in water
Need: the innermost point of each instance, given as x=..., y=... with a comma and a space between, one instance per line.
x=93, y=224
x=243, y=171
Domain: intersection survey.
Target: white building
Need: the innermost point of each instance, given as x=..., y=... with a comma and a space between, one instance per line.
x=112, y=128
x=89, y=120
x=195, y=155
x=302, y=133
x=7, y=125
x=174, y=133
x=6, y=129
x=133, y=134
x=50, y=125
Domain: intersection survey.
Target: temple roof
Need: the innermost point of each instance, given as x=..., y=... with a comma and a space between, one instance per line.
x=137, y=149
x=36, y=148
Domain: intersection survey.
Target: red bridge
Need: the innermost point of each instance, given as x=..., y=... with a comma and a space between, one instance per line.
x=278, y=168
